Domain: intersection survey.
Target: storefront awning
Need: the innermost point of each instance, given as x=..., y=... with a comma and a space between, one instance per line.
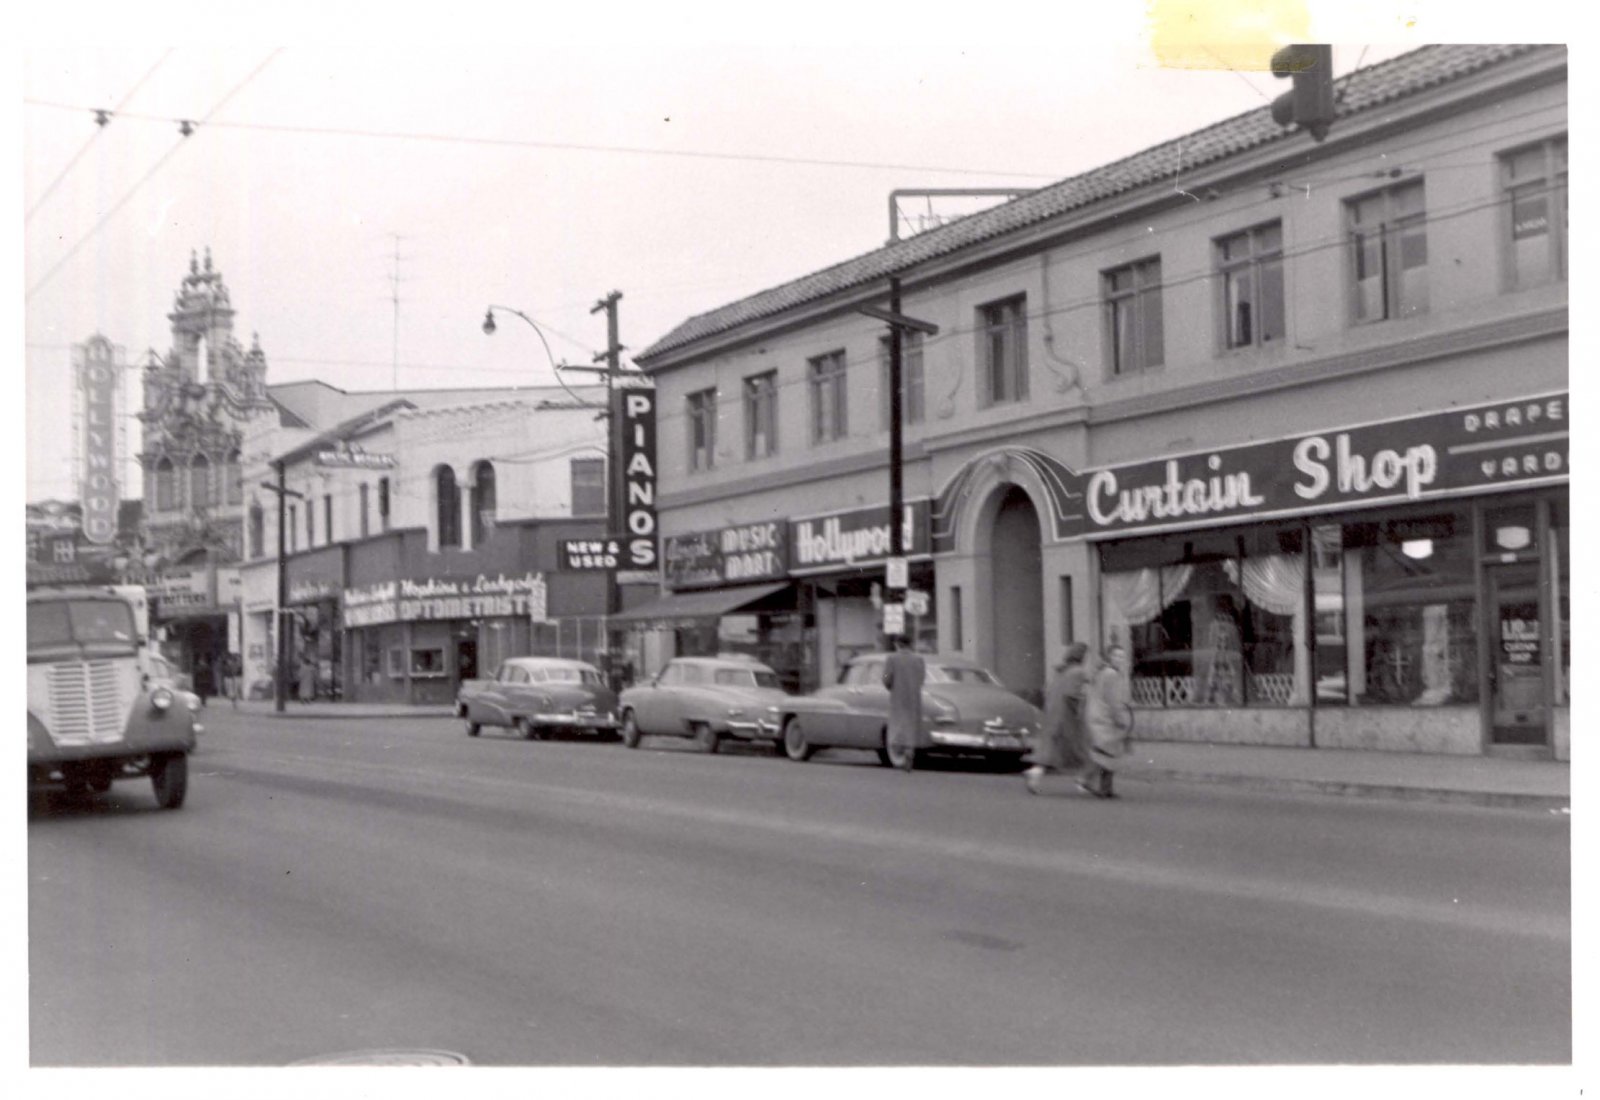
x=697, y=606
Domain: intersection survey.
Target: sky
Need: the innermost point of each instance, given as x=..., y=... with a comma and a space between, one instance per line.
x=685, y=155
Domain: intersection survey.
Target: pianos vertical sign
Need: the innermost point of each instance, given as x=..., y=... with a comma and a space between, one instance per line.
x=100, y=428
x=635, y=413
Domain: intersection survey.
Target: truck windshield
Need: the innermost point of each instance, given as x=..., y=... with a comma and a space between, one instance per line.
x=93, y=622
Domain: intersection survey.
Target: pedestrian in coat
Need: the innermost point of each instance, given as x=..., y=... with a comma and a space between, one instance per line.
x=1063, y=744
x=903, y=674
x=1110, y=720
x=308, y=680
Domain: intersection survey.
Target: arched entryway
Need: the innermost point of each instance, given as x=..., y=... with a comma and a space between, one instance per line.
x=1015, y=597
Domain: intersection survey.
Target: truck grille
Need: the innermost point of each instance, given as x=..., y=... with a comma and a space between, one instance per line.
x=86, y=707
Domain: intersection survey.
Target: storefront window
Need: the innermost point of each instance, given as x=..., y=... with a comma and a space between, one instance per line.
x=1411, y=602
x=1211, y=620
x=1560, y=569
x=427, y=662
x=1327, y=582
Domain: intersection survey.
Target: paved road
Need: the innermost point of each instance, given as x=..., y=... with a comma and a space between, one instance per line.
x=339, y=886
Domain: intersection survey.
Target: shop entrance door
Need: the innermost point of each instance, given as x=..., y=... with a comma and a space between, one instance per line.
x=1517, y=710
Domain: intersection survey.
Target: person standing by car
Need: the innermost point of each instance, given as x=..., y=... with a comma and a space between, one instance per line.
x=1064, y=737
x=903, y=673
x=1110, y=721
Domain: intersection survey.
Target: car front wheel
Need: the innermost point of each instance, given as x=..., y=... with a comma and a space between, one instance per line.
x=169, y=775
x=795, y=745
x=706, y=737
x=526, y=729
x=892, y=755
x=630, y=730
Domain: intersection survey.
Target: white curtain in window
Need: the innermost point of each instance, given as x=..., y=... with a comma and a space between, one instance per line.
x=1277, y=584
x=1135, y=597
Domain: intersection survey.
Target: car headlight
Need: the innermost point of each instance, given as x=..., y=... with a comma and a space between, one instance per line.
x=735, y=712
x=772, y=709
x=161, y=698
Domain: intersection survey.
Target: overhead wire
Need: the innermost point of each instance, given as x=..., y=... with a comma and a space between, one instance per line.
x=102, y=120
x=156, y=167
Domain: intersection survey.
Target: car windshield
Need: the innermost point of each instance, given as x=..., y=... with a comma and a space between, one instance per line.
x=746, y=677
x=958, y=674
x=61, y=622
x=574, y=676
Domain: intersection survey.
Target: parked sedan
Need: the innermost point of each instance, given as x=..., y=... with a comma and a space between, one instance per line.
x=965, y=710
x=534, y=695
x=706, y=698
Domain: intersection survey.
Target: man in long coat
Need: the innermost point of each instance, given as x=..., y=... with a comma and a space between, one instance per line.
x=1063, y=744
x=903, y=674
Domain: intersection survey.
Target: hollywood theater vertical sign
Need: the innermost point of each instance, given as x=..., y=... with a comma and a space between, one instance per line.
x=636, y=409
x=99, y=387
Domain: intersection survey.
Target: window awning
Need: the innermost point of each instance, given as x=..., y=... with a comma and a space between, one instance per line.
x=688, y=607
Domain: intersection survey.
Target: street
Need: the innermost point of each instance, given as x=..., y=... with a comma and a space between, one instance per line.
x=335, y=886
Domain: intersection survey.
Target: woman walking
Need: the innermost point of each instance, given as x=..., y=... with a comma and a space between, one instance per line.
x=1064, y=737
x=1110, y=721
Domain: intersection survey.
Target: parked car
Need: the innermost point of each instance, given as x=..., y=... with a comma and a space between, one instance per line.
x=706, y=698
x=160, y=673
x=536, y=695
x=965, y=710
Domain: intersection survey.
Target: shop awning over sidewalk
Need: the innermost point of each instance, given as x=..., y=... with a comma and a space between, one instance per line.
x=691, y=607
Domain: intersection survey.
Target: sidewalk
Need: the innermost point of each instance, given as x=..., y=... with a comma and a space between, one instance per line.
x=1428, y=777
x=1425, y=777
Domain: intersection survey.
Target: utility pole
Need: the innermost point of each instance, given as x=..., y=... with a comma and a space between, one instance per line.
x=283, y=492
x=394, y=296
x=612, y=357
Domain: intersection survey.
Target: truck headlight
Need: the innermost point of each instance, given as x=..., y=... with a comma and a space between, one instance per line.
x=161, y=698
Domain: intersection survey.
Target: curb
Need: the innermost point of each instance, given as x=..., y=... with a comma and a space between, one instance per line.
x=1504, y=800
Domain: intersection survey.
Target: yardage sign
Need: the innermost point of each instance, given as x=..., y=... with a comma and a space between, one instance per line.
x=635, y=412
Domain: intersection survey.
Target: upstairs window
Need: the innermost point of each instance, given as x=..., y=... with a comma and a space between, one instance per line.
x=702, y=429
x=1003, y=351
x=311, y=521
x=829, y=397
x=166, y=486
x=447, y=506
x=761, y=415
x=199, y=482
x=233, y=485
x=365, y=517
x=1135, y=337
x=258, y=529
x=588, y=486
x=293, y=527
x=1389, y=252
x=383, y=504
x=911, y=386
x=1251, y=268
x=1535, y=183
x=327, y=517
x=483, y=502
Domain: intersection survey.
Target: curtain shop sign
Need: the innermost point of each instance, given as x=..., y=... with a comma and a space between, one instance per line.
x=434, y=599
x=1522, y=442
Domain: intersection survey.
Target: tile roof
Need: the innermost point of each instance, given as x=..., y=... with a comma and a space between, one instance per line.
x=1359, y=91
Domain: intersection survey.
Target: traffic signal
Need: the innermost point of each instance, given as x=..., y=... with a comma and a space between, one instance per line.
x=1309, y=104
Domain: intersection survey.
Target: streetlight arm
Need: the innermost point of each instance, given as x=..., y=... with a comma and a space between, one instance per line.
x=555, y=367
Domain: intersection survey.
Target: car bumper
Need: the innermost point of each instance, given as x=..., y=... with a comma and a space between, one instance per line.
x=752, y=729
x=572, y=720
x=1003, y=740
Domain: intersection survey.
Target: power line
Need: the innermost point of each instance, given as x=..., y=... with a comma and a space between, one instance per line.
x=102, y=120
x=563, y=146
x=186, y=127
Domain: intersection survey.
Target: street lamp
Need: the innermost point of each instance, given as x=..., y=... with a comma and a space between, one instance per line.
x=611, y=370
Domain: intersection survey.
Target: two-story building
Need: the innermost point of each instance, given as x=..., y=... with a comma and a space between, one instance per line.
x=1287, y=418
x=422, y=537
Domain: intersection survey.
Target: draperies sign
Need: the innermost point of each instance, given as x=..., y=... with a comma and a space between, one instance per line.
x=1277, y=584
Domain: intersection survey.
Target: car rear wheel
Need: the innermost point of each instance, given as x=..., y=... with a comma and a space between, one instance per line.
x=795, y=745
x=472, y=728
x=169, y=775
x=630, y=730
x=706, y=737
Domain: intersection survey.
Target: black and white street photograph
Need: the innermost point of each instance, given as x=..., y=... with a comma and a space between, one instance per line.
x=649, y=545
